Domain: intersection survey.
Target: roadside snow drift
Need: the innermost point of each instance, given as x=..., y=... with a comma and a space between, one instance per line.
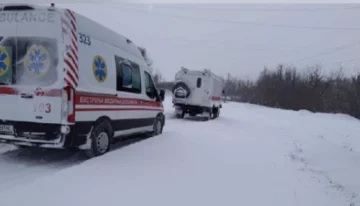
x=251, y=155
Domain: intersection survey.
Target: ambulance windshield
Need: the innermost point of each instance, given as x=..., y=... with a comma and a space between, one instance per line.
x=28, y=61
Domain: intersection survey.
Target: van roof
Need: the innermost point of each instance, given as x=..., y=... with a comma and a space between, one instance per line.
x=107, y=35
x=200, y=72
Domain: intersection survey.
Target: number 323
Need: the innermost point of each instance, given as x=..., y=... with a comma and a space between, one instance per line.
x=84, y=39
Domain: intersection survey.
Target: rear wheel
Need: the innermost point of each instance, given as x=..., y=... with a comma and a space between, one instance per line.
x=216, y=113
x=100, y=139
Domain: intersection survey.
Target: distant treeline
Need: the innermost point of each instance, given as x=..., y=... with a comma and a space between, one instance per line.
x=287, y=88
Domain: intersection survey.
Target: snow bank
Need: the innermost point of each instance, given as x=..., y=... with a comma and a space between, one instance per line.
x=5, y=148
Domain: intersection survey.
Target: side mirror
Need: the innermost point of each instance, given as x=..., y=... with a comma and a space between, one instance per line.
x=162, y=95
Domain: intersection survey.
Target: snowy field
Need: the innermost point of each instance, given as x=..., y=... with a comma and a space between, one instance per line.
x=251, y=155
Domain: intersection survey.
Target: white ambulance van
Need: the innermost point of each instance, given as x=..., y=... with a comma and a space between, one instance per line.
x=69, y=82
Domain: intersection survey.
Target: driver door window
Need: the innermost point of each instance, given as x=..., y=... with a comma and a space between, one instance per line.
x=149, y=86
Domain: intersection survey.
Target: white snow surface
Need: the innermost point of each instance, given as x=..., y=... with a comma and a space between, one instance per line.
x=250, y=155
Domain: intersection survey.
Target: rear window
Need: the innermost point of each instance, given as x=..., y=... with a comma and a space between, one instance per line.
x=198, y=82
x=28, y=61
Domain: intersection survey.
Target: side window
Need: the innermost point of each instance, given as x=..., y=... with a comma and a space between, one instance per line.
x=149, y=86
x=127, y=76
x=198, y=82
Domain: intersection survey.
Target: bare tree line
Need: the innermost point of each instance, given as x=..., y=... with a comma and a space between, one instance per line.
x=287, y=89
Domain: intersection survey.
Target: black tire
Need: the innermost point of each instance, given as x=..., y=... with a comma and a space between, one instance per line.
x=157, y=127
x=216, y=113
x=184, y=86
x=101, y=137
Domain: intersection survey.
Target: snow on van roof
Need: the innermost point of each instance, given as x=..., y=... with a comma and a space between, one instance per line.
x=183, y=69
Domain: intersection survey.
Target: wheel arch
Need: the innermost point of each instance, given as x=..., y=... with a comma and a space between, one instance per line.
x=105, y=118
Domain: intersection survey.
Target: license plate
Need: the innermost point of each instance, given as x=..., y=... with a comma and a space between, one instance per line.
x=6, y=128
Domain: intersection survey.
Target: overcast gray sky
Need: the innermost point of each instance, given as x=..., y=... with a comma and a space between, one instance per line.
x=236, y=38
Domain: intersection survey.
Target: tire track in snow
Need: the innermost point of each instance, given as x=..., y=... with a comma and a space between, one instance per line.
x=21, y=166
x=298, y=156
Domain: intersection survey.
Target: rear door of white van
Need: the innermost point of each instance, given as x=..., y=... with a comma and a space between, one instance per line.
x=30, y=61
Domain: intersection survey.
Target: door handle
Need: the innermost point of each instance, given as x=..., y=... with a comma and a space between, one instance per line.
x=27, y=96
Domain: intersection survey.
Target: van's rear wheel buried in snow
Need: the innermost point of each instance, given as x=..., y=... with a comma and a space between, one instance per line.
x=100, y=139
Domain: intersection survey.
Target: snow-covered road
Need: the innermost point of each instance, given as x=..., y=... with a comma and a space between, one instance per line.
x=251, y=155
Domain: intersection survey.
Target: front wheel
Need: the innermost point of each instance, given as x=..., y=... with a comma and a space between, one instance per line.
x=100, y=140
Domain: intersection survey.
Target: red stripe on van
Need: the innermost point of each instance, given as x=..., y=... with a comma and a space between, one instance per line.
x=68, y=83
x=74, y=35
x=73, y=70
x=53, y=93
x=116, y=109
x=71, y=62
x=48, y=93
x=84, y=99
x=75, y=66
x=73, y=25
x=215, y=98
x=74, y=53
x=71, y=14
x=7, y=90
x=72, y=78
x=74, y=44
x=67, y=14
